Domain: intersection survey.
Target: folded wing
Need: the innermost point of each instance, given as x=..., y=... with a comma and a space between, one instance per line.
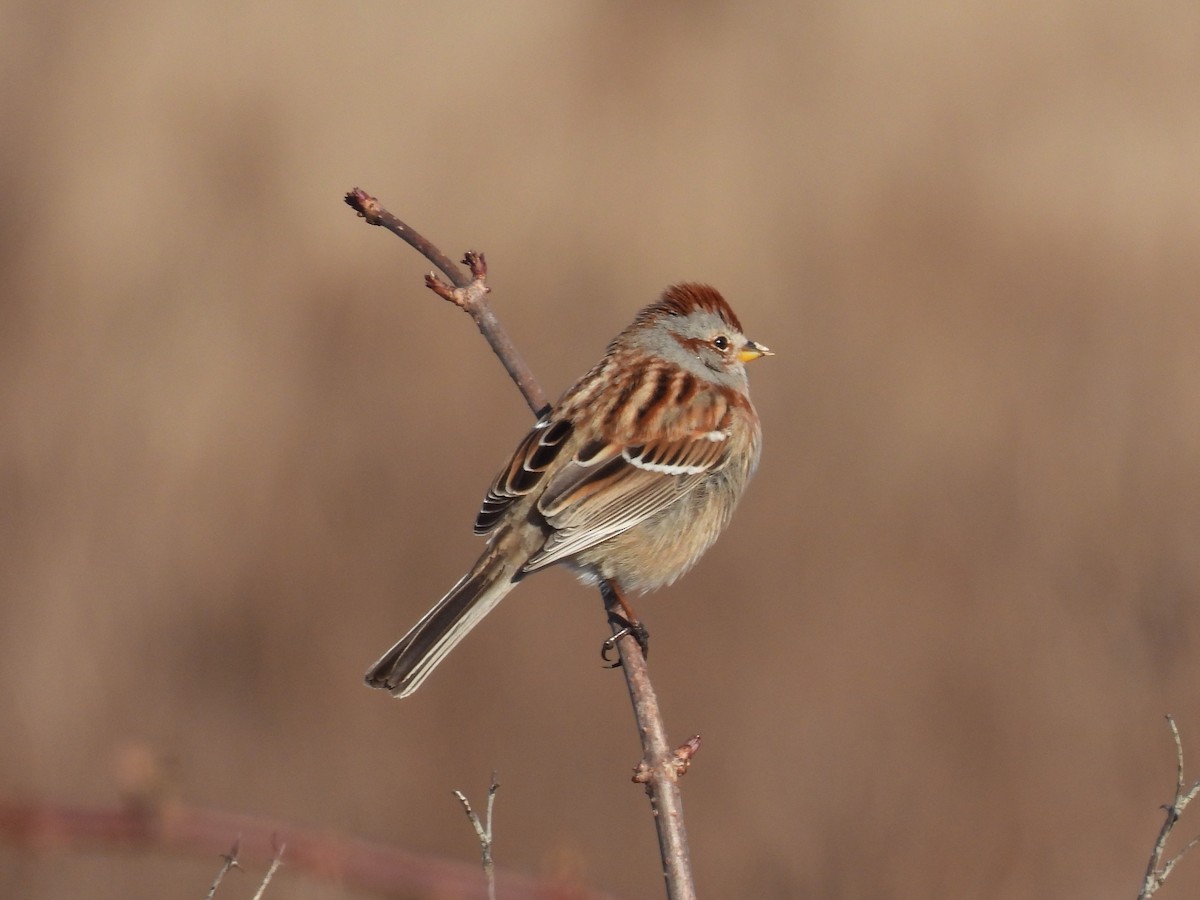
x=605, y=488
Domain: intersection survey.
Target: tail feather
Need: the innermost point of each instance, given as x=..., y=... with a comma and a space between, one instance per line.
x=404, y=667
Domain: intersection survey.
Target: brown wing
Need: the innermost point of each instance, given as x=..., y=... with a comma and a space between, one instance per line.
x=607, y=488
x=524, y=471
x=610, y=489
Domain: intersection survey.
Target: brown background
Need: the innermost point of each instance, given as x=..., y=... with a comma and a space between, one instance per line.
x=242, y=447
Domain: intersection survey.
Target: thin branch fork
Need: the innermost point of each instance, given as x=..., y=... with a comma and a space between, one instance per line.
x=467, y=293
x=661, y=766
x=230, y=861
x=484, y=833
x=1157, y=871
x=176, y=827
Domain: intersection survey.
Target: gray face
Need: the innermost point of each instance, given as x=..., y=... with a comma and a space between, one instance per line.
x=702, y=343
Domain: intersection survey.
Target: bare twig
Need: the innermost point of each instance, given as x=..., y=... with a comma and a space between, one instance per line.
x=176, y=828
x=275, y=863
x=681, y=761
x=659, y=761
x=1157, y=872
x=470, y=294
x=484, y=833
x=368, y=207
x=657, y=769
x=229, y=861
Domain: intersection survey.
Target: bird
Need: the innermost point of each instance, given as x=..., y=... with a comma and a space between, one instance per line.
x=627, y=479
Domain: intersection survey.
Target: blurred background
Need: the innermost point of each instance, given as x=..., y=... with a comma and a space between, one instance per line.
x=242, y=447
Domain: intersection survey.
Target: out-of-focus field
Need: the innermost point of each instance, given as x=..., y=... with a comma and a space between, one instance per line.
x=241, y=447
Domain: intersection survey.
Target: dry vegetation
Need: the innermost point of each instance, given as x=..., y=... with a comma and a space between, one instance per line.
x=242, y=447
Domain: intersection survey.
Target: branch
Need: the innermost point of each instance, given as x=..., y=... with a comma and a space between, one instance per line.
x=1157, y=872
x=275, y=864
x=470, y=294
x=228, y=861
x=368, y=208
x=358, y=865
x=484, y=834
x=660, y=766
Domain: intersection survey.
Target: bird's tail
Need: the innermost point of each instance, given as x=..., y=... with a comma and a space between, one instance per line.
x=403, y=668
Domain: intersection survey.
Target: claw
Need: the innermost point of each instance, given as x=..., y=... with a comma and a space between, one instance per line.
x=628, y=624
x=610, y=644
x=635, y=629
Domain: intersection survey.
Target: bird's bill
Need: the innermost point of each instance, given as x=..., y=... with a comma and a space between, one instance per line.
x=753, y=351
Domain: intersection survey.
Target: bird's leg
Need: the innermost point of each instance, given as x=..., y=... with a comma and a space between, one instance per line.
x=621, y=613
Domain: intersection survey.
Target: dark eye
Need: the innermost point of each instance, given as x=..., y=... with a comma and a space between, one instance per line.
x=721, y=342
